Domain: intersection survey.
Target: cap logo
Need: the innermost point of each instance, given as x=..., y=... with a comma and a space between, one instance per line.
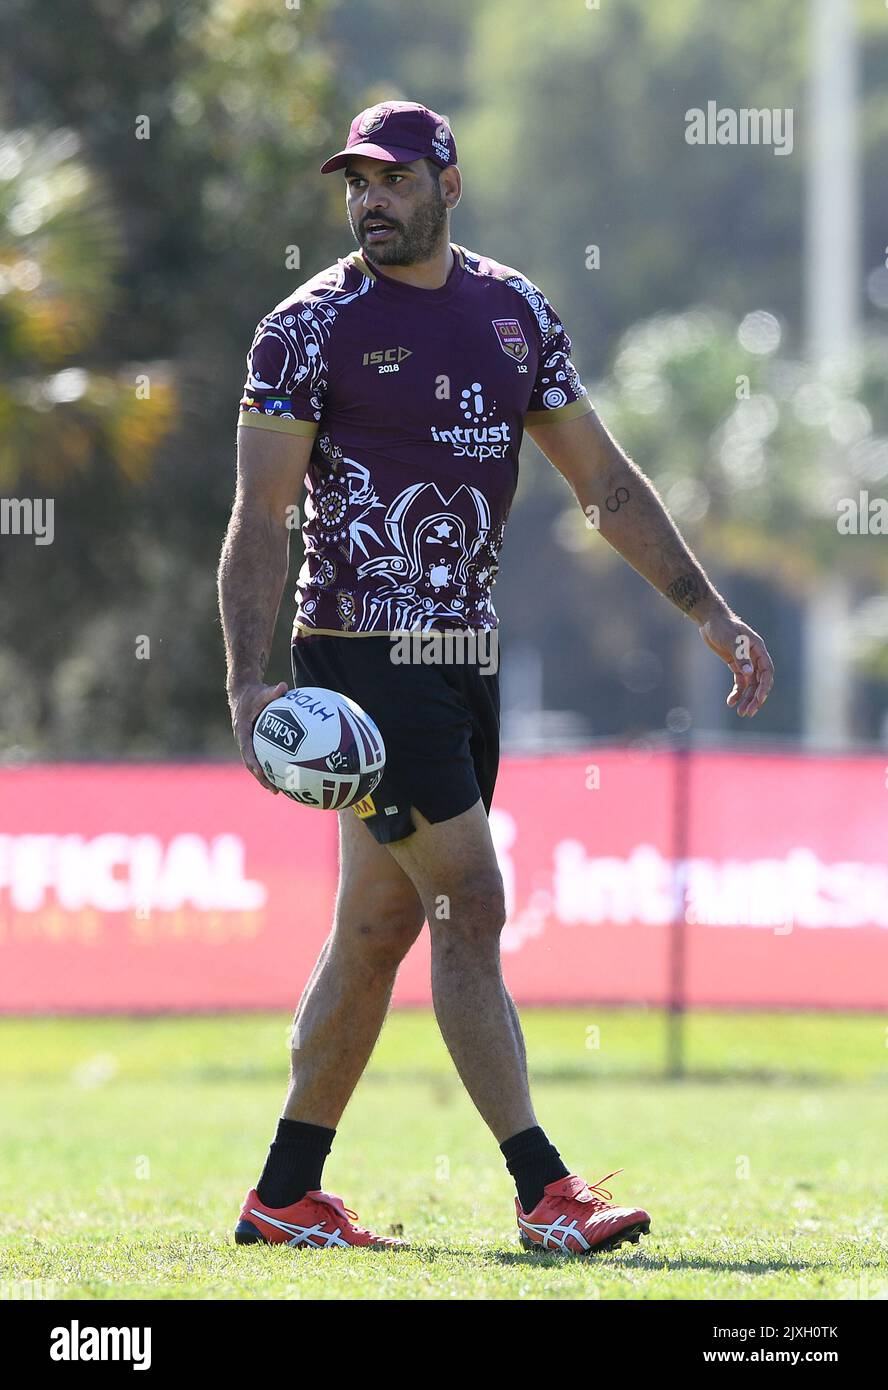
x=373, y=120
x=441, y=144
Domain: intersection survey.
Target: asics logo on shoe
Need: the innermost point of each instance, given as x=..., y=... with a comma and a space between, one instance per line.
x=302, y=1235
x=555, y=1234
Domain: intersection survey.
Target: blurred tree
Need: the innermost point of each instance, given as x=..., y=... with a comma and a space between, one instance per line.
x=575, y=139
x=769, y=469
x=570, y=120
x=169, y=203
x=59, y=249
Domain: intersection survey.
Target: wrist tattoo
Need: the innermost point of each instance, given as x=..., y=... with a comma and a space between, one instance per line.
x=263, y=663
x=684, y=592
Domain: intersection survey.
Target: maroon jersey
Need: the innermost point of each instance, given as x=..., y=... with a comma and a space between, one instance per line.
x=417, y=401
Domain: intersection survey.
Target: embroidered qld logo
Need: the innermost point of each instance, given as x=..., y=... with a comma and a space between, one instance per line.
x=373, y=120
x=511, y=338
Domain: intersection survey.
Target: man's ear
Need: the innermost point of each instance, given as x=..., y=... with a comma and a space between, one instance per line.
x=451, y=185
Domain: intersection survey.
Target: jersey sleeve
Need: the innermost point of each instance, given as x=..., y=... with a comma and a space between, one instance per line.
x=286, y=380
x=558, y=393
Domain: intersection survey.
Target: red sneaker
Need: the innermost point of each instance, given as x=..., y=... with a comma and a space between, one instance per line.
x=320, y=1221
x=575, y=1217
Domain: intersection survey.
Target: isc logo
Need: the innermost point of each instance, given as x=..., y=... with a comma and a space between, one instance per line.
x=386, y=359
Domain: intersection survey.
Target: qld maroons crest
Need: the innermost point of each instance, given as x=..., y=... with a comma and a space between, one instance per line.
x=511, y=338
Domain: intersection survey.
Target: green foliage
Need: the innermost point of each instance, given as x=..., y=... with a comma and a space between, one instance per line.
x=59, y=251
x=576, y=126
x=753, y=451
x=172, y=152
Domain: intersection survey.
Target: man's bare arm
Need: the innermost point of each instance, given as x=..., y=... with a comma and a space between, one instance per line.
x=253, y=571
x=623, y=504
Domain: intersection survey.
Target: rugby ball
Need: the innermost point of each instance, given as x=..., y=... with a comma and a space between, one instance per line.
x=319, y=748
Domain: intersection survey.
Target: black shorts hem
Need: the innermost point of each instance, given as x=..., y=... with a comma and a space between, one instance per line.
x=387, y=829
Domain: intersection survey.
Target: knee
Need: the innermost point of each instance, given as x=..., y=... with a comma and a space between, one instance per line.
x=475, y=908
x=382, y=928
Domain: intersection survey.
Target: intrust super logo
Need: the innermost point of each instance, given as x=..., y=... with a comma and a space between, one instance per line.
x=477, y=439
x=386, y=359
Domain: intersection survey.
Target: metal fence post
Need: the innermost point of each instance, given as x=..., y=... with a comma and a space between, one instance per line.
x=677, y=1000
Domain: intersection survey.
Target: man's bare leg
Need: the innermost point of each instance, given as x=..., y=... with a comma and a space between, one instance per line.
x=453, y=867
x=378, y=917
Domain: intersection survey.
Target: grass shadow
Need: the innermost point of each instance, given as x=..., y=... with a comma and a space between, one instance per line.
x=651, y=1262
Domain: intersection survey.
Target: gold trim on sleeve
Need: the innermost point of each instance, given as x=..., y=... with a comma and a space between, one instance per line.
x=257, y=419
x=571, y=411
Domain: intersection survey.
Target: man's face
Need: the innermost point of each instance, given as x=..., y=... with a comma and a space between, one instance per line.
x=396, y=211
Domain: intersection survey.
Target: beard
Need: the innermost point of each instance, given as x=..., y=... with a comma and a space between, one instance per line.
x=416, y=240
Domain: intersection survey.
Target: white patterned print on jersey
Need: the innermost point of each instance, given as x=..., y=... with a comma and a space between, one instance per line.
x=417, y=402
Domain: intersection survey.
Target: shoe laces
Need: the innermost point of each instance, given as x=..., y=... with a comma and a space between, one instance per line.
x=339, y=1206
x=600, y=1197
x=353, y=1218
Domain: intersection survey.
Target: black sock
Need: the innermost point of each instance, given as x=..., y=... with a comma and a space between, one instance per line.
x=295, y=1163
x=533, y=1163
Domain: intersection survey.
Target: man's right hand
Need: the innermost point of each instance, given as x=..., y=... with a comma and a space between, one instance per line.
x=247, y=704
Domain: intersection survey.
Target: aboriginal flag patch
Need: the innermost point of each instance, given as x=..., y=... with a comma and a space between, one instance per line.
x=269, y=405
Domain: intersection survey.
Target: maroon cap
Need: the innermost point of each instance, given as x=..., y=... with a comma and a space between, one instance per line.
x=397, y=131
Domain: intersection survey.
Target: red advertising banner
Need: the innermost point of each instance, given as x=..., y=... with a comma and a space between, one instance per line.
x=714, y=878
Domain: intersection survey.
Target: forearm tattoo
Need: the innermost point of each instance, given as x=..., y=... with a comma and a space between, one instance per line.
x=617, y=499
x=685, y=592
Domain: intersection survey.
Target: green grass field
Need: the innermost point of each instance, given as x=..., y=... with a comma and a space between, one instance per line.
x=128, y=1146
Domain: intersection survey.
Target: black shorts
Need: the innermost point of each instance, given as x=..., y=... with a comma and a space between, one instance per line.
x=439, y=723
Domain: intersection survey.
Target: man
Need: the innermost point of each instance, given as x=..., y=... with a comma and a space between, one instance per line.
x=397, y=385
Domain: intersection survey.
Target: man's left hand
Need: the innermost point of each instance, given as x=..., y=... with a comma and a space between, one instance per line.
x=741, y=648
